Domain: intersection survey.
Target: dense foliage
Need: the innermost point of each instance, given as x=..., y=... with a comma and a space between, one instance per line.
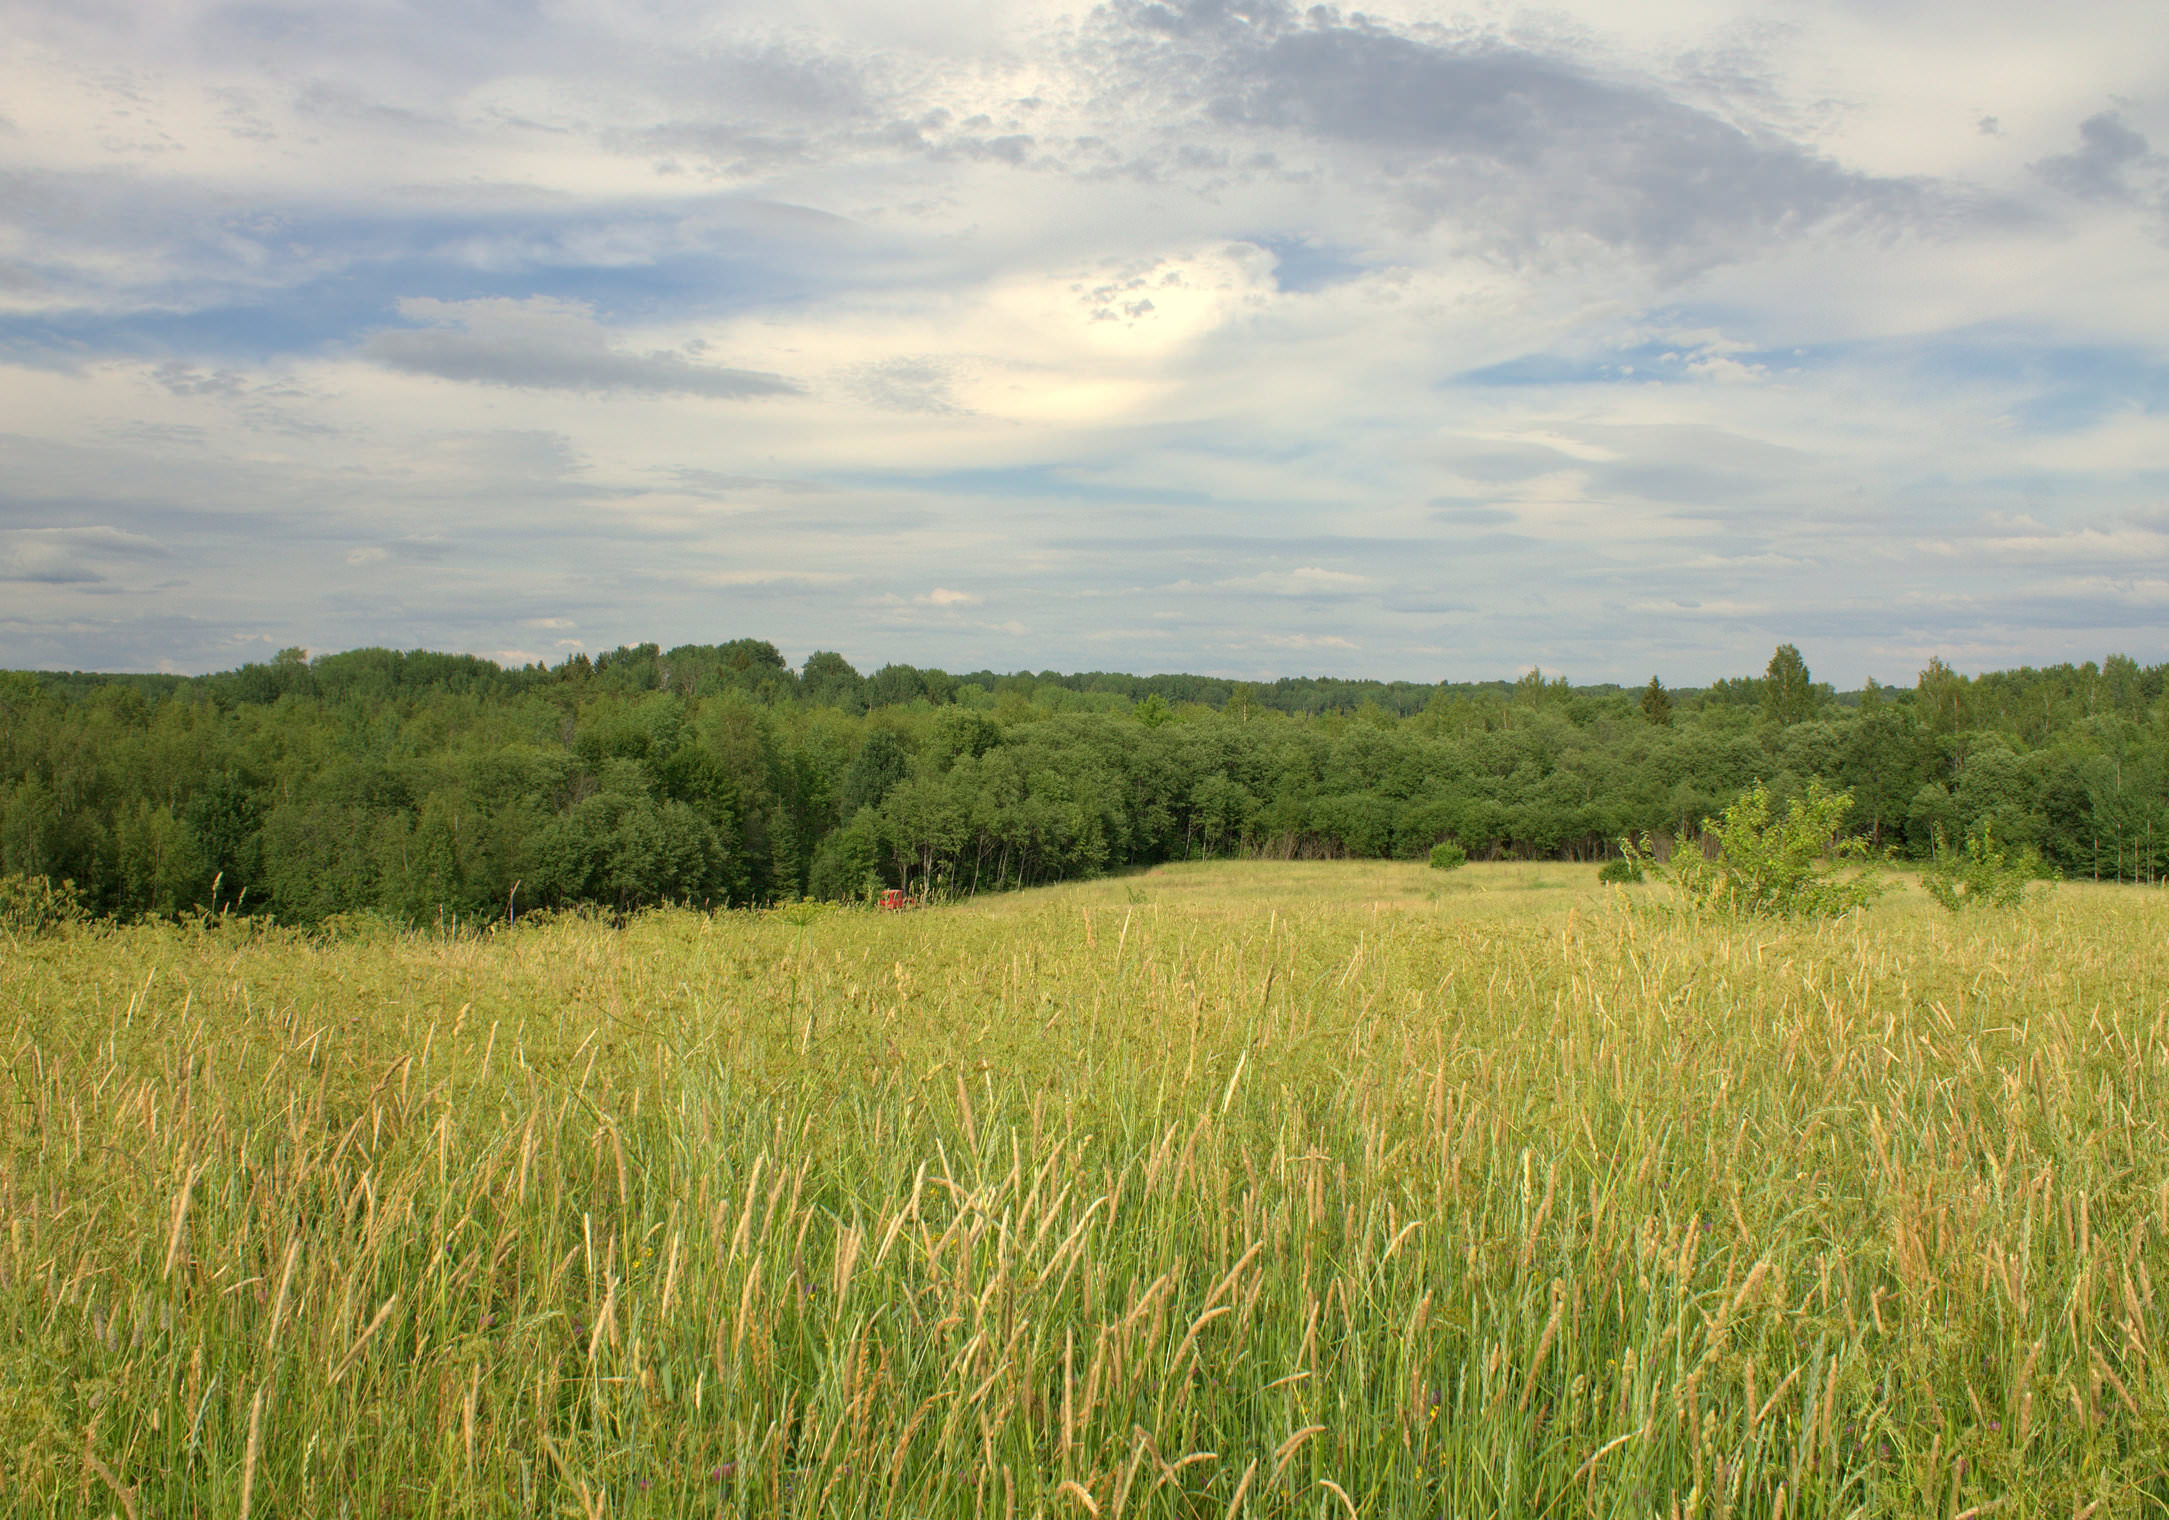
x=427, y=786
x=1761, y=865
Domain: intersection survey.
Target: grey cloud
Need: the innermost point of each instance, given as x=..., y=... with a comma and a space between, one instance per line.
x=738, y=110
x=1221, y=549
x=1690, y=468
x=71, y=556
x=2108, y=150
x=1421, y=603
x=393, y=46
x=1468, y=514
x=182, y=380
x=1526, y=141
x=1012, y=148
x=263, y=407
x=239, y=115
x=873, y=522
x=1681, y=482
x=722, y=483
x=729, y=147
x=542, y=344
x=1496, y=462
x=159, y=436
x=341, y=104
x=2023, y=622
x=21, y=567
x=401, y=551
x=906, y=385
x=1205, y=18
x=794, y=81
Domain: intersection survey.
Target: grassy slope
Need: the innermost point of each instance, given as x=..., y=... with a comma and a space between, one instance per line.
x=1279, y=1189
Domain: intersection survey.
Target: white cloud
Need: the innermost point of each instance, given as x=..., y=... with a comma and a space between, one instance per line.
x=545, y=344
x=1308, y=581
x=1294, y=641
x=74, y=556
x=1433, y=344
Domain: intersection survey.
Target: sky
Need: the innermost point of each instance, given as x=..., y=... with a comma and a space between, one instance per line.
x=1162, y=335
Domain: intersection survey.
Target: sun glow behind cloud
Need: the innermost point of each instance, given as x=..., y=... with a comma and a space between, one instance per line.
x=1174, y=336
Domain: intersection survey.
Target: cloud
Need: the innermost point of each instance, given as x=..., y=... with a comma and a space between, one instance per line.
x=546, y=344
x=727, y=483
x=771, y=577
x=1469, y=514
x=180, y=379
x=406, y=551
x=2108, y=151
x=1293, y=641
x=1464, y=125
x=919, y=384
x=1219, y=333
x=84, y=556
x=1308, y=581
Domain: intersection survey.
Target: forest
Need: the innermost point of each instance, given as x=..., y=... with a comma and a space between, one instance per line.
x=433, y=788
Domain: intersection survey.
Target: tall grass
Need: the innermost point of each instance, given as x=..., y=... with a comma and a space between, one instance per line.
x=1221, y=1191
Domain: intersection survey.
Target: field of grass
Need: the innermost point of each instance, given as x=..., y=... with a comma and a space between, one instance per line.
x=1248, y=1189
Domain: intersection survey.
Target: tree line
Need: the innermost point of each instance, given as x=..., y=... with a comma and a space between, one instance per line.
x=435, y=787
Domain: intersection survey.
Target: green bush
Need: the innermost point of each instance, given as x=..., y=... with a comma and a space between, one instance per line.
x=1770, y=867
x=35, y=905
x=1975, y=874
x=1447, y=855
x=1622, y=870
x=364, y=926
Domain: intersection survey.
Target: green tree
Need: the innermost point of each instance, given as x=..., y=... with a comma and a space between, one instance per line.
x=1788, y=695
x=1977, y=874
x=1929, y=816
x=827, y=678
x=881, y=762
x=161, y=865
x=1657, y=704
x=1769, y=866
x=1941, y=701
x=893, y=685
x=223, y=817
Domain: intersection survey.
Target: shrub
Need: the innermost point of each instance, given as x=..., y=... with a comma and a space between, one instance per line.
x=366, y=926
x=1447, y=855
x=35, y=905
x=1622, y=870
x=1975, y=874
x=1766, y=867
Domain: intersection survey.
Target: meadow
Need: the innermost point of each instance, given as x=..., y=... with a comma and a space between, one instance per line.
x=1318, y=1189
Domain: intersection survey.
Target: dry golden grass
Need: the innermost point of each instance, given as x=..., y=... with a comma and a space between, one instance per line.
x=1306, y=1189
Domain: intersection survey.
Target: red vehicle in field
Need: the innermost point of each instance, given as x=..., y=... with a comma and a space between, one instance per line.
x=893, y=898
